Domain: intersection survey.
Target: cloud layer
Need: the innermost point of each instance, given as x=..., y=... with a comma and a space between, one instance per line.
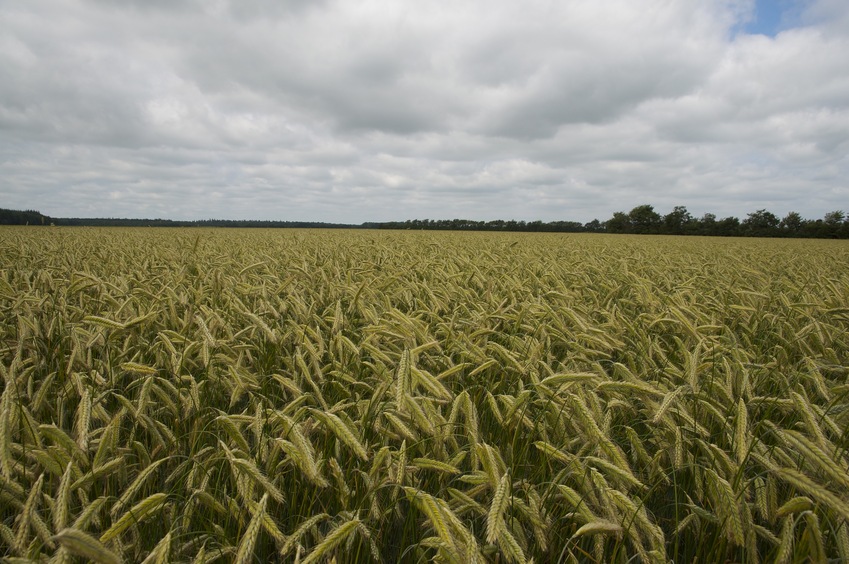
x=375, y=110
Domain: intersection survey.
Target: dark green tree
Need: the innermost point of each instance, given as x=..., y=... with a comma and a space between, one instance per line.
x=28, y=217
x=728, y=227
x=834, y=217
x=619, y=223
x=792, y=224
x=833, y=223
x=677, y=221
x=593, y=226
x=761, y=223
x=644, y=219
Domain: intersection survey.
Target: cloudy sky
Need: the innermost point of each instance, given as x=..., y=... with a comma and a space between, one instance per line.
x=352, y=111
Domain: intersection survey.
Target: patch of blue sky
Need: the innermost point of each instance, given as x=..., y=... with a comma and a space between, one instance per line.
x=771, y=17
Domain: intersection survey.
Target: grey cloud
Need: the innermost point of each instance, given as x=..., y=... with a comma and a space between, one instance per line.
x=356, y=111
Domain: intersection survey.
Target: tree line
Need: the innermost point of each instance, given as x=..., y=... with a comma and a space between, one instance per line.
x=640, y=220
x=31, y=217
x=25, y=217
x=644, y=220
x=760, y=223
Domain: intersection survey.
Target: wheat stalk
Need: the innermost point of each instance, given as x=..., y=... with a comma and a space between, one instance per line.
x=248, y=542
x=81, y=544
x=139, y=512
x=336, y=537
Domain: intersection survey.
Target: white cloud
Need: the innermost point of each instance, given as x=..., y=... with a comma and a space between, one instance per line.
x=370, y=110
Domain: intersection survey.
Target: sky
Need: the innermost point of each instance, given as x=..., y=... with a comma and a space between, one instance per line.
x=770, y=17
x=354, y=111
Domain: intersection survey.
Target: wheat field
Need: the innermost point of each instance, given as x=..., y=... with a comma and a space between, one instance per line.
x=197, y=395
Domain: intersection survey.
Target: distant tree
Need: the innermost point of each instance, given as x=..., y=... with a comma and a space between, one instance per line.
x=28, y=217
x=832, y=224
x=834, y=218
x=792, y=224
x=644, y=219
x=619, y=223
x=761, y=223
x=593, y=226
x=706, y=225
x=677, y=221
x=728, y=227
x=564, y=227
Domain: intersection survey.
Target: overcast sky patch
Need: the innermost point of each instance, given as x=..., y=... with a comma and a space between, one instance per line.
x=370, y=110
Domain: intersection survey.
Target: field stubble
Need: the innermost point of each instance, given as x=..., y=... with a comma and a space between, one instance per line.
x=226, y=395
